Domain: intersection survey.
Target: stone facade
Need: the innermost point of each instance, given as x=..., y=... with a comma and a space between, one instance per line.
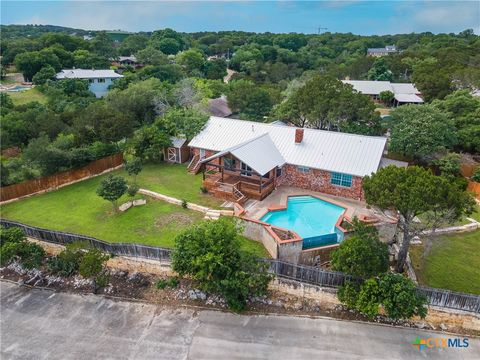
x=319, y=180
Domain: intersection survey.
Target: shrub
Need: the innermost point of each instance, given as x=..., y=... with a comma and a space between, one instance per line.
x=204, y=190
x=476, y=176
x=184, y=203
x=132, y=190
x=15, y=246
x=68, y=261
x=12, y=235
x=92, y=267
x=133, y=168
x=112, y=188
x=362, y=255
x=209, y=252
x=170, y=282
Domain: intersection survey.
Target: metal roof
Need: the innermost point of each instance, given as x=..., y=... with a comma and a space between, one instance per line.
x=404, y=88
x=177, y=142
x=87, y=74
x=408, y=98
x=327, y=150
x=371, y=87
x=248, y=152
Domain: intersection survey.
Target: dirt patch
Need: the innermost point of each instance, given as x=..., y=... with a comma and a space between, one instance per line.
x=175, y=218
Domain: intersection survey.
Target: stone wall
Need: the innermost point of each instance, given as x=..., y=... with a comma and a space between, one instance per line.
x=319, y=180
x=290, y=251
x=317, y=256
x=256, y=231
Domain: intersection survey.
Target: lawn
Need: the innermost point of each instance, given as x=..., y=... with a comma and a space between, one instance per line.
x=76, y=208
x=449, y=262
x=174, y=180
x=23, y=97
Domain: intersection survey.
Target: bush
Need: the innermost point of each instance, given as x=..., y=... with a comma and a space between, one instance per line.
x=363, y=254
x=132, y=190
x=112, y=188
x=476, y=176
x=14, y=246
x=209, y=252
x=204, y=190
x=92, y=266
x=184, y=204
x=170, y=282
x=67, y=263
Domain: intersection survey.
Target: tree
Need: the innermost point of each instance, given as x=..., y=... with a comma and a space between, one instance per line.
x=449, y=164
x=251, y=101
x=149, y=142
x=192, y=61
x=169, y=46
x=29, y=63
x=92, y=266
x=326, y=103
x=151, y=56
x=414, y=191
x=133, y=168
x=394, y=292
x=6, y=103
x=216, y=69
x=102, y=45
x=111, y=189
x=209, y=252
x=379, y=71
x=386, y=97
x=132, y=44
x=434, y=131
x=432, y=79
x=182, y=122
x=363, y=254
x=46, y=73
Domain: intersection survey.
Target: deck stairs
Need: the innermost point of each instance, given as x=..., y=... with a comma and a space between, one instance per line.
x=194, y=165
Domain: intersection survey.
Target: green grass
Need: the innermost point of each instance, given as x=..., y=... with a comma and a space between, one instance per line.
x=174, y=180
x=463, y=220
x=449, y=262
x=23, y=97
x=76, y=208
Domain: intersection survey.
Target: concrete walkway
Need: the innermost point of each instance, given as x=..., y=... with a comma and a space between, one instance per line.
x=41, y=324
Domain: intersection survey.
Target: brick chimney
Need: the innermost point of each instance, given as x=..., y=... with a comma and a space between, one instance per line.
x=298, y=136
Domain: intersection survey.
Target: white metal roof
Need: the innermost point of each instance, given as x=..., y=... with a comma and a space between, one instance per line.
x=327, y=150
x=404, y=88
x=177, y=142
x=408, y=98
x=87, y=74
x=369, y=87
x=248, y=152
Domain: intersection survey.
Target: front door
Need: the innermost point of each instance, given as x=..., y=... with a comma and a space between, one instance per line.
x=172, y=154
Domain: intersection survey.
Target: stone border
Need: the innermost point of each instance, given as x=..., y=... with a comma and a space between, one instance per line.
x=209, y=213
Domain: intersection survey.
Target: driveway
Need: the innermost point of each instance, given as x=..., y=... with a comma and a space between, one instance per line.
x=41, y=324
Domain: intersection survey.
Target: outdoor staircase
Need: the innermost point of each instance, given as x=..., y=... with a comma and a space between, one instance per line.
x=194, y=165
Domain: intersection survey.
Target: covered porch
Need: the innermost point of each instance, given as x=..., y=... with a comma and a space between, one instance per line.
x=246, y=171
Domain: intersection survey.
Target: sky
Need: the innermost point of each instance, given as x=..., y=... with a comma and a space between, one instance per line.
x=359, y=17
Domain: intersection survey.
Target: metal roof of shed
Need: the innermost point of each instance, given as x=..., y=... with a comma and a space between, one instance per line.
x=326, y=150
x=408, y=98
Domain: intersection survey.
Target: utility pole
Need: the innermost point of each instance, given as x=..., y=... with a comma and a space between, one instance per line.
x=320, y=28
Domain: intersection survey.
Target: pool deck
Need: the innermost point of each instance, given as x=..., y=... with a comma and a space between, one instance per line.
x=280, y=196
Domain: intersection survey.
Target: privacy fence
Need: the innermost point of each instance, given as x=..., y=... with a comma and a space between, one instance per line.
x=62, y=178
x=304, y=274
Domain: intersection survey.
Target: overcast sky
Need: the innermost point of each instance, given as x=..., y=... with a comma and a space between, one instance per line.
x=359, y=17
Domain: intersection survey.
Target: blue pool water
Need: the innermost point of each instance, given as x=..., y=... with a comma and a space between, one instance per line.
x=311, y=218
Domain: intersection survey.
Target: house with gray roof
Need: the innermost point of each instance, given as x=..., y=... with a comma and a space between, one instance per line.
x=404, y=93
x=244, y=159
x=99, y=81
x=387, y=50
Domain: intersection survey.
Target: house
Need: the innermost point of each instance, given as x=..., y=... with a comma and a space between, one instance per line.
x=219, y=107
x=123, y=61
x=178, y=152
x=98, y=80
x=387, y=50
x=243, y=159
x=404, y=93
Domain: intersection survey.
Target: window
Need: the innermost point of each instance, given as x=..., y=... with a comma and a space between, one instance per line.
x=279, y=172
x=247, y=170
x=341, y=179
x=101, y=80
x=202, y=154
x=229, y=163
x=90, y=81
x=303, y=169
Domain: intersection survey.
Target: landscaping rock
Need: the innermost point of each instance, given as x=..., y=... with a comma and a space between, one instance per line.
x=126, y=206
x=139, y=202
x=421, y=325
x=138, y=279
x=443, y=327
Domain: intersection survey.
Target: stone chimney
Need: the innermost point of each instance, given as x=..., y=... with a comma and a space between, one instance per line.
x=298, y=136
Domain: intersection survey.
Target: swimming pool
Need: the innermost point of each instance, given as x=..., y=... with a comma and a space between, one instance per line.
x=311, y=218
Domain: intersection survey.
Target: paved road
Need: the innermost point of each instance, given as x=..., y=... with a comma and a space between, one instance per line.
x=40, y=324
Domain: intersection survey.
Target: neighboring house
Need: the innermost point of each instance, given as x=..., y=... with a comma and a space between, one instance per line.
x=123, y=61
x=404, y=93
x=387, y=50
x=219, y=107
x=98, y=80
x=243, y=159
x=179, y=152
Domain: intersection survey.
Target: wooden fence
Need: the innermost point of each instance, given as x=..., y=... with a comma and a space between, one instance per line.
x=475, y=188
x=62, y=178
x=304, y=274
